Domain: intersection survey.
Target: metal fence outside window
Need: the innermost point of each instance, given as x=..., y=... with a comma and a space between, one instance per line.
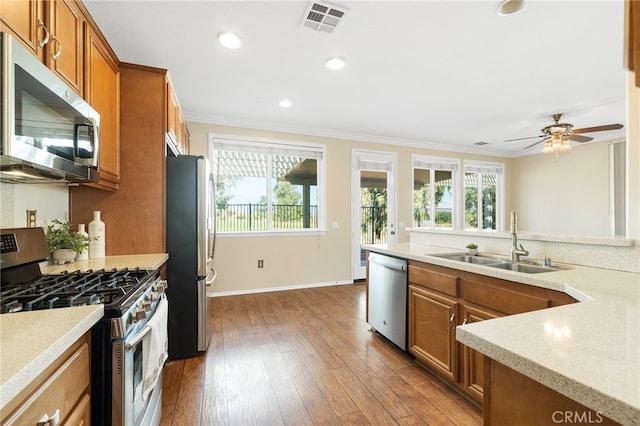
x=253, y=217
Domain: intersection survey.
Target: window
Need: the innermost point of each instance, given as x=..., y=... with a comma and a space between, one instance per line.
x=265, y=186
x=434, y=192
x=483, y=195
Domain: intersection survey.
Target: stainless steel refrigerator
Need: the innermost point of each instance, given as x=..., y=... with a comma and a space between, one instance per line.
x=190, y=241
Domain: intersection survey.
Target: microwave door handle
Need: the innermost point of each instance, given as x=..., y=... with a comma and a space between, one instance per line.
x=76, y=145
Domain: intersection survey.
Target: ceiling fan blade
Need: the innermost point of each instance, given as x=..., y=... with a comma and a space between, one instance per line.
x=599, y=128
x=521, y=139
x=534, y=144
x=580, y=138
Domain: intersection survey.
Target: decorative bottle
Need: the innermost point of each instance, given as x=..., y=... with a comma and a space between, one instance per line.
x=97, y=235
x=84, y=254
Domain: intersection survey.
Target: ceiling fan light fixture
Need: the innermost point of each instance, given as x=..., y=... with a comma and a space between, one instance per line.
x=229, y=40
x=509, y=7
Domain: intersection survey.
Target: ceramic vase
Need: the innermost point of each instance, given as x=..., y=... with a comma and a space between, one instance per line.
x=84, y=254
x=472, y=252
x=97, y=235
x=64, y=256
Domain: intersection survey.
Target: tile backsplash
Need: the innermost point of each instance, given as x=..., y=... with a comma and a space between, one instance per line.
x=51, y=201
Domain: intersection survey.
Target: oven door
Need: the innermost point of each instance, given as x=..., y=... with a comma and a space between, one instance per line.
x=128, y=405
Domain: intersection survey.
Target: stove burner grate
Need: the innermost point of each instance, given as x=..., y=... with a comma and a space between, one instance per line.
x=72, y=289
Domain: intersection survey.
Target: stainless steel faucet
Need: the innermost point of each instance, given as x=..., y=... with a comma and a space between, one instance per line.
x=516, y=251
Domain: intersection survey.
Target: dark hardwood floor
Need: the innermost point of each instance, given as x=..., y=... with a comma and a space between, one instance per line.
x=304, y=357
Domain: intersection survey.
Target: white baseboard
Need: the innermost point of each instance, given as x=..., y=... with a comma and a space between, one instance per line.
x=270, y=289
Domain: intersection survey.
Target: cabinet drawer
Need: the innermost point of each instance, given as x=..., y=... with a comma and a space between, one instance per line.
x=444, y=283
x=60, y=391
x=502, y=300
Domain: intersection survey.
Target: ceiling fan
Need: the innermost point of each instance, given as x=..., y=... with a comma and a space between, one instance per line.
x=558, y=130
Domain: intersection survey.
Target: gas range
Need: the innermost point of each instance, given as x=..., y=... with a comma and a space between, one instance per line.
x=125, y=293
x=132, y=297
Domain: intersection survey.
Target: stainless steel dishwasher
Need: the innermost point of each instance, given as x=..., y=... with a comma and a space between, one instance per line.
x=387, y=299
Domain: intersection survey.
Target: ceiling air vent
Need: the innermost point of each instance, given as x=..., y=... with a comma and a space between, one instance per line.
x=323, y=16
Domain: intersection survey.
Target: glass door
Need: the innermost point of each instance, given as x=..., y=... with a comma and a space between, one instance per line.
x=373, y=204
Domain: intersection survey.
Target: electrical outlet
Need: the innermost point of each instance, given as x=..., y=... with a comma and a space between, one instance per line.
x=31, y=218
x=260, y=263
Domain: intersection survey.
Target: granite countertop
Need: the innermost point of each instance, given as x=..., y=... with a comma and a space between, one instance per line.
x=51, y=332
x=143, y=261
x=588, y=351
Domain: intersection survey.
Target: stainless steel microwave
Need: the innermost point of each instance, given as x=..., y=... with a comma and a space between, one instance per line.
x=49, y=133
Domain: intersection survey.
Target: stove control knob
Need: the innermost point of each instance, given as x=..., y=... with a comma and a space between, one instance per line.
x=139, y=314
x=162, y=286
x=146, y=305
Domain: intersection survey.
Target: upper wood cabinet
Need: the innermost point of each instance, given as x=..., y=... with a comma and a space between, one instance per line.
x=64, y=52
x=102, y=91
x=176, y=126
x=52, y=30
x=25, y=20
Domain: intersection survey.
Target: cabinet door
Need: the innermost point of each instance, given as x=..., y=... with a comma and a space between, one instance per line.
x=472, y=362
x=432, y=321
x=25, y=21
x=64, y=53
x=103, y=93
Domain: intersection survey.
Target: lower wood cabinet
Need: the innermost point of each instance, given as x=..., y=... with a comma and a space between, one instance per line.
x=514, y=399
x=442, y=298
x=472, y=368
x=432, y=339
x=62, y=391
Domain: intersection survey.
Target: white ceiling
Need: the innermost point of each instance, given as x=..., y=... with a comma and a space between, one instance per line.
x=443, y=74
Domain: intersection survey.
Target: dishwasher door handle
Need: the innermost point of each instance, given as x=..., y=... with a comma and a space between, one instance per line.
x=391, y=263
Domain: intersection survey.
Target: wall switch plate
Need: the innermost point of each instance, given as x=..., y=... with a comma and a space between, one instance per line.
x=260, y=263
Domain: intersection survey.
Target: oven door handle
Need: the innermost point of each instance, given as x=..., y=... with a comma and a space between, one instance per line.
x=134, y=341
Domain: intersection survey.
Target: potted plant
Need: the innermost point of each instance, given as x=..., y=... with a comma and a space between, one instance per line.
x=472, y=249
x=63, y=242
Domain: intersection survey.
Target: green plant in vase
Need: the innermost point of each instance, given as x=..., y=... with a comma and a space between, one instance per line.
x=472, y=249
x=63, y=242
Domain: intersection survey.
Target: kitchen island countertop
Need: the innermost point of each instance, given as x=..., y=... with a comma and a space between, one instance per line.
x=51, y=332
x=588, y=351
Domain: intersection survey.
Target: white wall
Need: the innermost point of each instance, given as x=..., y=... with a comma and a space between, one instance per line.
x=569, y=196
x=51, y=201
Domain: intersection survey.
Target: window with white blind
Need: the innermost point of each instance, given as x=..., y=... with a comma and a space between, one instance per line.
x=435, y=182
x=267, y=186
x=483, y=196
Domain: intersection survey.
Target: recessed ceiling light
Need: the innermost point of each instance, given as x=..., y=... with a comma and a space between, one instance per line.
x=508, y=7
x=335, y=63
x=229, y=40
x=285, y=103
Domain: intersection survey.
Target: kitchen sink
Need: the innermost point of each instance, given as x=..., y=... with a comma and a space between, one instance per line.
x=478, y=260
x=494, y=262
x=522, y=267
